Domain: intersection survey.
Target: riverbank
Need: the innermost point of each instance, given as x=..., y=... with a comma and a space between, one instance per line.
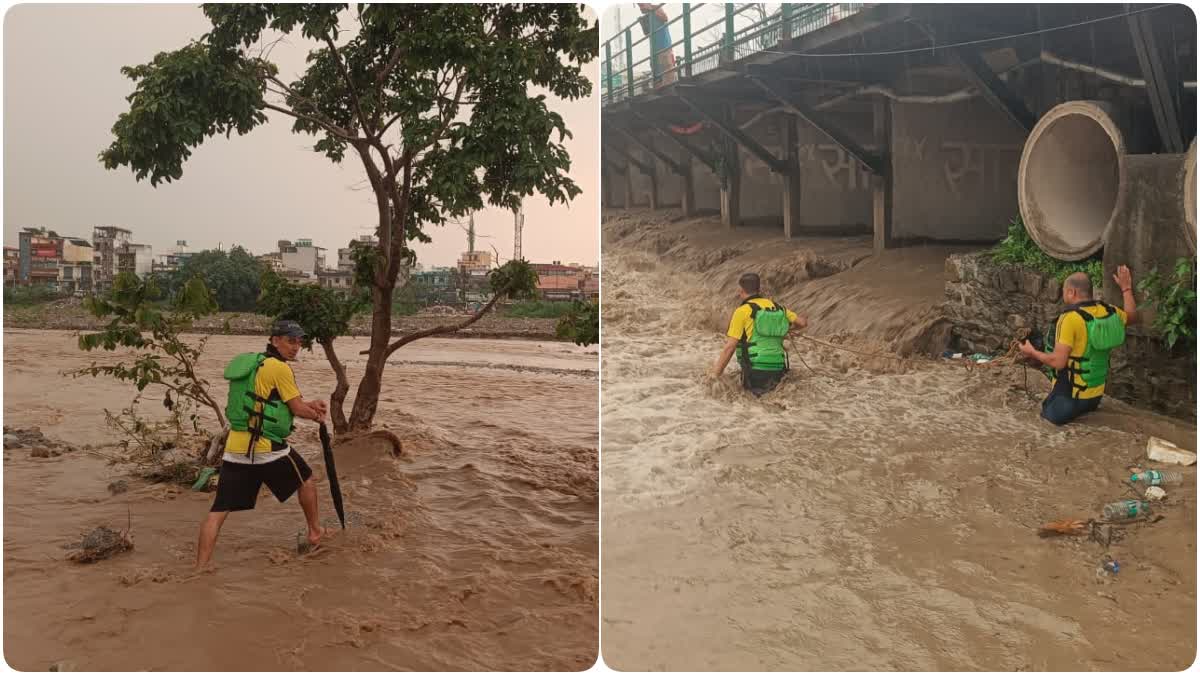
x=69, y=314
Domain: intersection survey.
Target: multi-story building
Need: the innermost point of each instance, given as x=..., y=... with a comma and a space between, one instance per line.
x=301, y=256
x=107, y=241
x=136, y=258
x=338, y=280
x=76, y=262
x=38, y=257
x=474, y=262
x=591, y=287
x=557, y=281
x=12, y=265
x=173, y=259
x=272, y=261
x=346, y=255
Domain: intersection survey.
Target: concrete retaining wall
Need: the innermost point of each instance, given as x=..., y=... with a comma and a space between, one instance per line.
x=987, y=305
x=955, y=171
x=835, y=189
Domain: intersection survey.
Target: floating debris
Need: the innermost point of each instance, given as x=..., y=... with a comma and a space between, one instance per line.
x=100, y=544
x=1065, y=527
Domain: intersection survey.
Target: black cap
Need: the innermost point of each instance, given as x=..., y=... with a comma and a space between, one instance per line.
x=286, y=328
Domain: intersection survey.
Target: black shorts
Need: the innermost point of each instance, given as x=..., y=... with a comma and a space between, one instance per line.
x=759, y=382
x=238, y=486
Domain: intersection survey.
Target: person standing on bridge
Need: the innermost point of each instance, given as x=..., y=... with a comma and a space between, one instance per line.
x=654, y=25
x=756, y=333
x=1078, y=347
x=263, y=401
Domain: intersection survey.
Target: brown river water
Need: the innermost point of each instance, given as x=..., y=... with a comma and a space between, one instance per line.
x=476, y=551
x=870, y=513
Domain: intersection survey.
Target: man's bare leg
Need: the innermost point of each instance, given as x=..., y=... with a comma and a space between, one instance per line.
x=308, y=502
x=209, y=530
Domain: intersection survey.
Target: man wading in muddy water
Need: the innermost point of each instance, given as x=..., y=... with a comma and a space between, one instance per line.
x=756, y=333
x=263, y=400
x=1079, y=345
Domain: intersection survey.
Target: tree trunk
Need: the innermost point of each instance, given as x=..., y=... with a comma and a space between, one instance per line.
x=337, y=399
x=366, y=400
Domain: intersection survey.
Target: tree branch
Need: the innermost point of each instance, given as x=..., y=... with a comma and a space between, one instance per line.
x=381, y=79
x=338, y=398
x=337, y=57
x=331, y=128
x=439, y=330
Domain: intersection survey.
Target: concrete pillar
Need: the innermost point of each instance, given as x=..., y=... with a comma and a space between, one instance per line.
x=653, y=176
x=629, y=186
x=881, y=185
x=791, y=180
x=731, y=188
x=688, y=194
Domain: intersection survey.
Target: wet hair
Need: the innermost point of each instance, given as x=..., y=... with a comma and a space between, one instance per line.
x=749, y=282
x=1079, y=282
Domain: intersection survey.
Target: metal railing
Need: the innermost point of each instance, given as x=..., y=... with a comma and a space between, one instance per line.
x=633, y=67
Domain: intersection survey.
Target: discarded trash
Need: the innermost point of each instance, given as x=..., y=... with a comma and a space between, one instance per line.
x=1155, y=494
x=1126, y=509
x=1164, y=451
x=1112, y=566
x=203, y=481
x=1067, y=526
x=1153, y=477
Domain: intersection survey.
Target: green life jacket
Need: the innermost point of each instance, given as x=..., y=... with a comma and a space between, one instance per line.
x=274, y=421
x=1104, y=334
x=766, y=350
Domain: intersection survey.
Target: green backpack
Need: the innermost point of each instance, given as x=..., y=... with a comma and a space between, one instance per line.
x=766, y=351
x=275, y=421
x=1104, y=334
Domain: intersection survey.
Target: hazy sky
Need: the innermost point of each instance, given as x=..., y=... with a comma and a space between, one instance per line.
x=63, y=91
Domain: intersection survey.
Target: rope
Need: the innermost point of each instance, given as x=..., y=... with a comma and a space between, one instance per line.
x=853, y=351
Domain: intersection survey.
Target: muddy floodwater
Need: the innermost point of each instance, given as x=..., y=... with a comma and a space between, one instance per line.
x=475, y=551
x=871, y=513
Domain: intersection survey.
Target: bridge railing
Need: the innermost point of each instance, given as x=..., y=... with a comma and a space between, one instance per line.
x=634, y=66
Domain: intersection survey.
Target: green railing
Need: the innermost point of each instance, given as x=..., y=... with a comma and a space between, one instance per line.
x=636, y=66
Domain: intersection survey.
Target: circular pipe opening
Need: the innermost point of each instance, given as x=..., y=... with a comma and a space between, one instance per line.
x=1071, y=183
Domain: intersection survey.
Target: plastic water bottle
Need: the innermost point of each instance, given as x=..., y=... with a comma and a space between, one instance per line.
x=1153, y=477
x=1126, y=509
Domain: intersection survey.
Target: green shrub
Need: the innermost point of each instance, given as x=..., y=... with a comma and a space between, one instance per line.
x=538, y=309
x=31, y=295
x=1174, y=300
x=1019, y=250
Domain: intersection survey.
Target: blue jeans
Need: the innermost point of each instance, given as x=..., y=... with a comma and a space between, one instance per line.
x=1060, y=408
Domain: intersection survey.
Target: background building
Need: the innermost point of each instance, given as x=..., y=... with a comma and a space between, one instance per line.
x=107, y=240
x=301, y=256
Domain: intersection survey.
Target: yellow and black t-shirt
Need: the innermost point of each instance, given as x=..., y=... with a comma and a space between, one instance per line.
x=273, y=374
x=1072, y=330
x=741, y=325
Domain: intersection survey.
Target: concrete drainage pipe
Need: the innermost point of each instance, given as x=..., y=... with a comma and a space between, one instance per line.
x=1079, y=192
x=1072, y=180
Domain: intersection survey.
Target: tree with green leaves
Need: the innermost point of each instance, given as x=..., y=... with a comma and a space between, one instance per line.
x=438, y=102
x=581, y=325
x=233, y=276
x=325, y=315
x=161, y=357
